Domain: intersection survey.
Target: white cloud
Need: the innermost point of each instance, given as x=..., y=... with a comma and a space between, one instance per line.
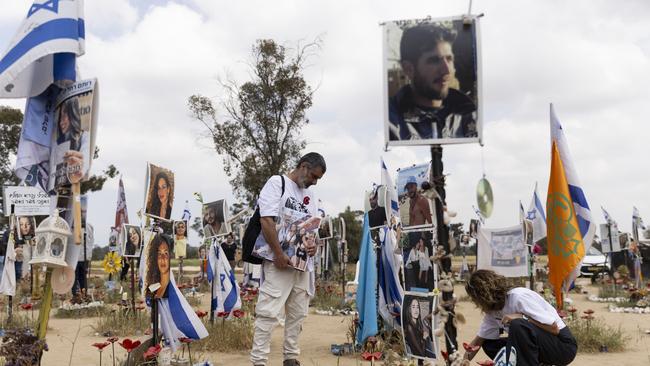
x=591, y=58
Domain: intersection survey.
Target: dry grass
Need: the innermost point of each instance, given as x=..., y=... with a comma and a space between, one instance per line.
x=120, y=323
x=594, y=334
x=227, y=335
x=329, y=296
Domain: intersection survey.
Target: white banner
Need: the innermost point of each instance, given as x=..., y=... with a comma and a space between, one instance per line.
x=609, y=246
x=503, y=251
x=27, y=201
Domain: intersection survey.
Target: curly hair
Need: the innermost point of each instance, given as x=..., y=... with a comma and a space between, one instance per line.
x=153, y=275
x=488, y=290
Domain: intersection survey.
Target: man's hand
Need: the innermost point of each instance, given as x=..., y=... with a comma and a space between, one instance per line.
x=281, y=260
x=311, y=249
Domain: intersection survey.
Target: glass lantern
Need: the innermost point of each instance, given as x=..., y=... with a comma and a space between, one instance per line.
x=51, y=242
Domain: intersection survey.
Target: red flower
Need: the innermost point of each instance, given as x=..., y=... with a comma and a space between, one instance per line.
x=27, y=306
x=185, y=340
x=486, y=363
x=572, y=310
x=470, y=348
x=305, y=200
x=139, y=307
x=445, y=355
x=129, y=345
x=238, y=313
x=201, y=313
x=254, y=291
x=588, y=311
x=562, y=314
x=100, y=346
x=112, y=339
x=222, y=314
x=367, y=356
x=152, y=352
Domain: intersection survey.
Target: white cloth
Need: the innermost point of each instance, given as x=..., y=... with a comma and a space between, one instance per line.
x=8, y=281
x=282, y=290
x=523, y=301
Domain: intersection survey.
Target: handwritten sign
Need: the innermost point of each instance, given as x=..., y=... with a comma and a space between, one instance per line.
x=27, y=201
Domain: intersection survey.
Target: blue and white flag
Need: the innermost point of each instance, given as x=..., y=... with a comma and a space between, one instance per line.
x=608, y=217
x=636, y=218
x=225, y=290
x=44, y=48
x=177, y=318
x=387, y=182
x=33, y=156
x=536, y=214
x=478, y=213
x=186, y=212
x=366, y=292
x=522, y=214
x=391, y=292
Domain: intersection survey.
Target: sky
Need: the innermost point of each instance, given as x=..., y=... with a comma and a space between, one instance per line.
x=590, y=58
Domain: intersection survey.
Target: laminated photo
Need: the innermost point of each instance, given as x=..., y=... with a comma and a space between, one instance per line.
x=157, y=259
x=296, y=231
x=375, y=206
x=432, y=83
x=180, y=238
x=416, y=196
x=131, y=240
x=215, y=219
x=417, y=249
x=73, y=139
x=159, y=197
x=25, y=228
x=417, y=325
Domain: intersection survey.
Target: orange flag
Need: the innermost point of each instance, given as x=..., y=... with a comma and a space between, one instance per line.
x=565, y=245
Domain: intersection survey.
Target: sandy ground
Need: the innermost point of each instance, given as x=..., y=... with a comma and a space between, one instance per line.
x=321, y=331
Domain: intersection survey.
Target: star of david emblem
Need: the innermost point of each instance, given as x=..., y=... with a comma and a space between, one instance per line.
x=531, y=215
x=51, y=5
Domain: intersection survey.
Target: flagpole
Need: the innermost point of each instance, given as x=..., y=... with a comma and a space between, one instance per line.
x=211, y=287
x=451, y=341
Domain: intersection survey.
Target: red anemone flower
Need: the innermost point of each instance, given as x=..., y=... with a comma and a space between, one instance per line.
x=470, y=348
x=27, y=306
x=201, y=313
x=486, y=363
x=222, y=314
x=367, y=356
x=589, y=311
x=238, y=313
x=185, y=340
x=129, y=345
x=100, y=346
x=112, y=339
x=152, y=352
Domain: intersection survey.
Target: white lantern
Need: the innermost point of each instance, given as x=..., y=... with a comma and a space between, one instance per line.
x=51, y=242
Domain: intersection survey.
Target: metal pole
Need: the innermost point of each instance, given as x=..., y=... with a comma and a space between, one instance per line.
x=214, y=278
x=132, y=263
x=443, y=239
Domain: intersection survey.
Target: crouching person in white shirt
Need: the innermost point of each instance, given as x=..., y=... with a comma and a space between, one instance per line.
x=535, y=330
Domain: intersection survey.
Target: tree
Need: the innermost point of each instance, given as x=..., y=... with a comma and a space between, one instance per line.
x=259, y=136
x=10, y=123
x=353, y=231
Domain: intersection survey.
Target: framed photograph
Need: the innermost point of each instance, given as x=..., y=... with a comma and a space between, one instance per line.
x=473, y=228
x=503, y=251
x=113, y=240
x=159, y=197
x=180, y=238
x=432, y=81
x=157, y=257
x=326, y=230
x=215, y=219
x=417, y=326
x=376, y=207
x=607, y=245
x=131, y=239
x=417, y=247
x=341, y=228
x=528, y=232
x=25, y=228
x=416, y=196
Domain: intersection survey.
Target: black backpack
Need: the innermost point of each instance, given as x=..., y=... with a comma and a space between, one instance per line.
x=252, y=232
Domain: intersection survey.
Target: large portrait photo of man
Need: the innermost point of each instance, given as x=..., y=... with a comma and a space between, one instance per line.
x=432, y=83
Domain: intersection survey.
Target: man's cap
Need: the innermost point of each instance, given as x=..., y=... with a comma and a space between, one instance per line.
x=410, y=180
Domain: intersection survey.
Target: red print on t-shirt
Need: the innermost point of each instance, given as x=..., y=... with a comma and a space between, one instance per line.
x=305, y=200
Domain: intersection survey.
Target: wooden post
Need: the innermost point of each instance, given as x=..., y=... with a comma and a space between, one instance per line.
x=46, y=305
x=154, y=319
x=443, y=239
x=132, y=263
x=76, y=211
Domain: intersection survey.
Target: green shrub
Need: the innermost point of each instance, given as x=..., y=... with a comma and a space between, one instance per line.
x=593, y=334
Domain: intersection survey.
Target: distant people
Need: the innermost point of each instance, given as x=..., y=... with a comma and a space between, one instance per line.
x=429, y=107
x=229, y=248
x=534, y=328
x=161, y=205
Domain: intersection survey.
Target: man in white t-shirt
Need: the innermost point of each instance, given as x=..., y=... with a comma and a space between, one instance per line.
x=534, y=328
x=285, y=289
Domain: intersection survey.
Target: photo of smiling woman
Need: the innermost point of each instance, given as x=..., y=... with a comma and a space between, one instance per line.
x=132, y=242
x=160, y=192
x=416, y=323
x=158, y=264
x=180, y=238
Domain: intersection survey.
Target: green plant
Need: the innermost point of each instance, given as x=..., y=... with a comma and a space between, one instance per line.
x=329, y=296
x=117, y=322
x=92, y=312
x=592, y=334
x=228, y=335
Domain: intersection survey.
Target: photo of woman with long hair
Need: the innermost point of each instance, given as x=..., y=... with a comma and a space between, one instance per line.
x=132, y=241
x=158, y=264
x=416, y=323
x=71, y=143
x=160, y=201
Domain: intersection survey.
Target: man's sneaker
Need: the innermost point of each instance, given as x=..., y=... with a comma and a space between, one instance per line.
x=291, y=363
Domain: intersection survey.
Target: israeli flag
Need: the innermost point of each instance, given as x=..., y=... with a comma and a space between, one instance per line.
x=44, y=48
x=392, y=192
x=177, y=318
x=608, y=217
x=636, y=218
x=391, y=292
x=186, y=212
x=536, y=214
x=225, y=290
